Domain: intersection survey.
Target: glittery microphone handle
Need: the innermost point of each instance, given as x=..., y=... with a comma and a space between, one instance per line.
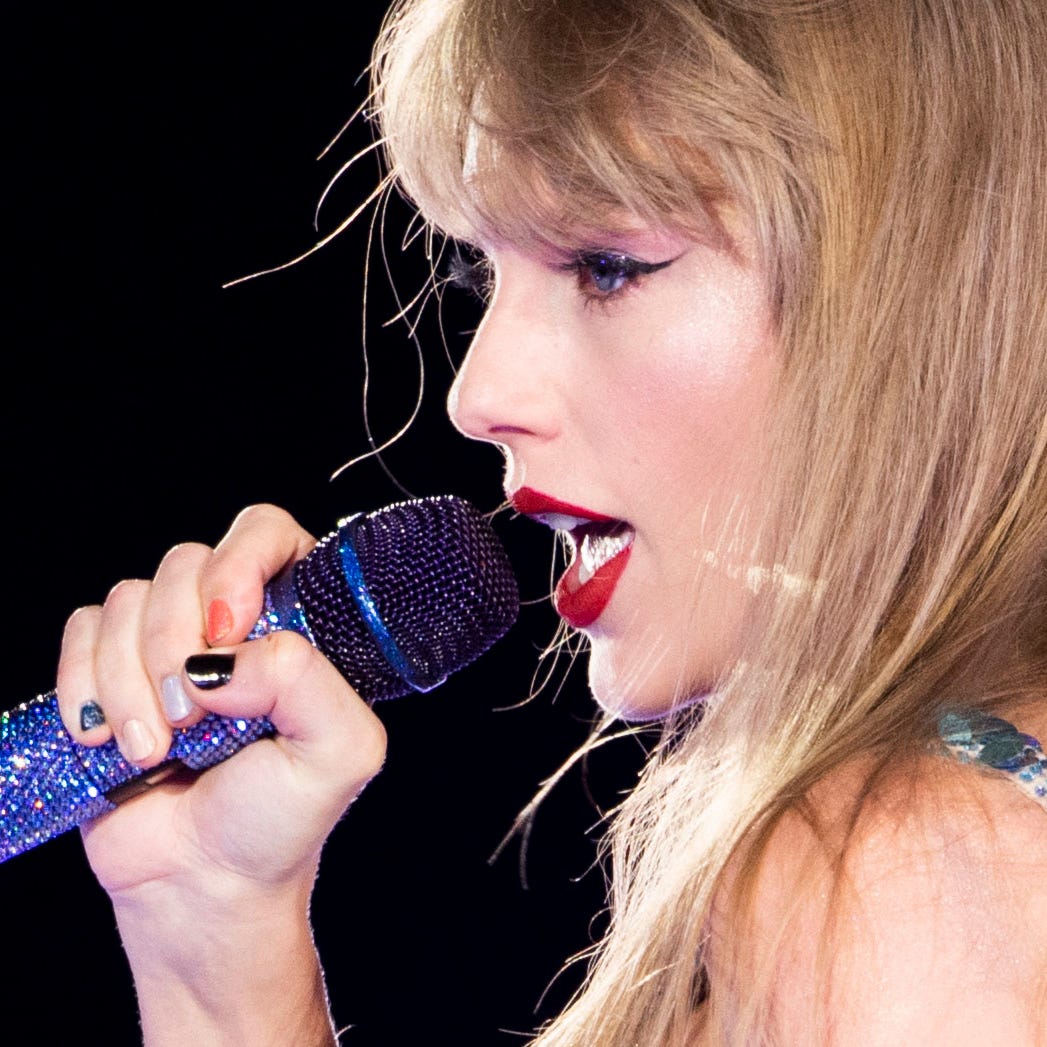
x=52, y=783
x=397, y=599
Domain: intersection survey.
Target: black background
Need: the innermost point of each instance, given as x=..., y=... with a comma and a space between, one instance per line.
x=150, y=158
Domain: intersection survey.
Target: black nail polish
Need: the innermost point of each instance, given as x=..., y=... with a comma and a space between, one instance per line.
x=91, y=715
x=208, y=671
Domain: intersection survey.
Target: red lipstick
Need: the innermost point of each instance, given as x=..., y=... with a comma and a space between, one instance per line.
x=581, y=603
x=601, y=547
x=530, y=502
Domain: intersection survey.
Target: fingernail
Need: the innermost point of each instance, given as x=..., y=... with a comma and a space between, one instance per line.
x=208, y=671
x=91, y=715
x=138, y=740
x=175, y=701
x=219, y=621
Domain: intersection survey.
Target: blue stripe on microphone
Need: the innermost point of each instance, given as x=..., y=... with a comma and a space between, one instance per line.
x=358, y=587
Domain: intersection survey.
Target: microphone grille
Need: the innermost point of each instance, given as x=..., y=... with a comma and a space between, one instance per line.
x=438, y=578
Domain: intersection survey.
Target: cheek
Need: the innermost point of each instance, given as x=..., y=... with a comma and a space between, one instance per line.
x=706, y=368
x=702, y=413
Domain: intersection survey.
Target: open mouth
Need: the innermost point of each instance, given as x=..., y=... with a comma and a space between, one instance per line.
x=600, y=546
x=601, y=553
x=599, y=543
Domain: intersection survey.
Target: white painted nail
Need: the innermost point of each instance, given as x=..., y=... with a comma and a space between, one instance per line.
x=176, y=703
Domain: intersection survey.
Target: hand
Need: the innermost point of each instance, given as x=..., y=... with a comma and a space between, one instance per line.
x=245, y=836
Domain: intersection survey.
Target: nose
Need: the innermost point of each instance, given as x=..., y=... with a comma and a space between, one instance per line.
x=507, y=389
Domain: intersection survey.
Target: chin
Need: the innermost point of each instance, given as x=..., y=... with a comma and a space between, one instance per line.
x=638, y=696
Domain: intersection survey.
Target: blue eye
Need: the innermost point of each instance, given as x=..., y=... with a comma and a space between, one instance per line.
x=606, y=274
x=609, y=272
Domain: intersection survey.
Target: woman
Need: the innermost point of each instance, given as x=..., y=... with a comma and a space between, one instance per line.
x=765, y=338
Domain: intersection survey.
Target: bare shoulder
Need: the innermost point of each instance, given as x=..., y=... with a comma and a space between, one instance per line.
x=916, y=915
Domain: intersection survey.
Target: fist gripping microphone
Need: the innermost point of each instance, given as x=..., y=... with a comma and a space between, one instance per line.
x=397, y=600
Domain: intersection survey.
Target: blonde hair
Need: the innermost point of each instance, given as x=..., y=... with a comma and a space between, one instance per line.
x=891, y=156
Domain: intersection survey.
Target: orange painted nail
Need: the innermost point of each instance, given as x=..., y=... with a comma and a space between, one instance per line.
x=219, y=621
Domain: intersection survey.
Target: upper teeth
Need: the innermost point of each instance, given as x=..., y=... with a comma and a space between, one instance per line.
x=561, y=521
x=597, y=549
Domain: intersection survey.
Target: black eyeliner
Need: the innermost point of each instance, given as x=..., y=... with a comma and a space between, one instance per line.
x=627, y=264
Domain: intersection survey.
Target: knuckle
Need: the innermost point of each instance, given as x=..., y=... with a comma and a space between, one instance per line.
x=293, y=656
x=187, y=555
x=373, y=743
x=261, y=514
x=77, y=649
x=82, y=619
x=126, y=593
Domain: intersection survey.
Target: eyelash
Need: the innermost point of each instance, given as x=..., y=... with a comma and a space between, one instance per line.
x=622, y=269
x=471, y=273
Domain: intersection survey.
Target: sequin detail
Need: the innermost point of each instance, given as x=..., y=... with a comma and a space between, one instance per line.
x=974, y=737
x=49, y=783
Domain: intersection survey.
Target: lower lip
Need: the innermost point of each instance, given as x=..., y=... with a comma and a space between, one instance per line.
x=581, y=605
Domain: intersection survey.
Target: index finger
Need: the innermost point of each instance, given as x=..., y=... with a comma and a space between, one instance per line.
x=262, y=541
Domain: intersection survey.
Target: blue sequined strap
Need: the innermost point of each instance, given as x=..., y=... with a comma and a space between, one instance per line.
x=976, y=738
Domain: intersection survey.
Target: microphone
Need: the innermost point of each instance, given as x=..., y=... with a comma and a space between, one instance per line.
x=397, y=599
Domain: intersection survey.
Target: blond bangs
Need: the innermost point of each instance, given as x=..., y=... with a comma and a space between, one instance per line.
x=500, y=126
